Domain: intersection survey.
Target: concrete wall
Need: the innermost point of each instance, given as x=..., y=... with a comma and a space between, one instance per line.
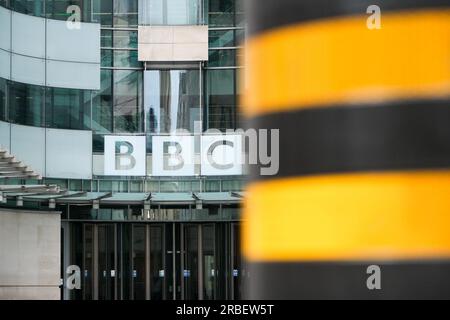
x=29, y=255
x=173, y=43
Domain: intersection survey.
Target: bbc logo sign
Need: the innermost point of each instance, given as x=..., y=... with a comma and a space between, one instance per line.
x=219, y=155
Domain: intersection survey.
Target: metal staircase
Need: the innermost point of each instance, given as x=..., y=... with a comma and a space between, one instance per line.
x=11, y=168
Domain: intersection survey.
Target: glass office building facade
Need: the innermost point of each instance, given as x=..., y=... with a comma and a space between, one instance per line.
x=143, y=237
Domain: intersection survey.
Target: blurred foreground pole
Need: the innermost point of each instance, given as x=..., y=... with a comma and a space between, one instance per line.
x=360, y=207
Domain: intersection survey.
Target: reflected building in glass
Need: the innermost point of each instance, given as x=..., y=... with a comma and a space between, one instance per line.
x=135, y=68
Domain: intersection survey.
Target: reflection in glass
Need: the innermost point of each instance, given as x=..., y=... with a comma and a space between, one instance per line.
x=102, y=12
x=57, y=9
x=127, y=101
x=26, y=104
x=2, y=99
x=221, y=13
x=172, y=100
x=221, y=99
x=30, y=7
x=221, y=38
x=68, y=108
x=222, y=58
x=125, y=13
x=102, y=105
x=171, y=12
x=125, y=39
x=126, y=58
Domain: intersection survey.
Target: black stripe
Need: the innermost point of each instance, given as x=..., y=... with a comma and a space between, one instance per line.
x=269, y=14
x=340, y=280
x=401, y=136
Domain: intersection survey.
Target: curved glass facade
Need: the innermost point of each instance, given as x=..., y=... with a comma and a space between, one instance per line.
x=40, y=106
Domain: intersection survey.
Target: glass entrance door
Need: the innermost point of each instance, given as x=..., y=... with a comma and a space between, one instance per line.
x=99, y=261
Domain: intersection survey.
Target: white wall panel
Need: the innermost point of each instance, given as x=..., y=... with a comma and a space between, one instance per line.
x=4, y=135
x=79, y=45
x=5, y=64
x=28, y=146
x=28, y=70
x=5, y=29
x=28, y=35
x=73, y=75
x=69, y=154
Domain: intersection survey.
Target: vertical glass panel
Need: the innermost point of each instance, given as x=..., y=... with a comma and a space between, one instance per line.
x=125, y=13
x=172, y=100
x=156, y=262
x=68, y=108
x=221, y=99
x=106, y=40
x=236, y=263
x=26, y=104
x=102, y=12
x=4, y=3
x=106, y=262
x=125, y=39
x=171, y=12
x=221, y=13
x=102, y=119
x=138, y=273
x=31, y=7
x=190, y=271
x=106, y=58
x=209, y=269
x=88, y=262
x=240, y=13
x=2, y=99
x=127, y=101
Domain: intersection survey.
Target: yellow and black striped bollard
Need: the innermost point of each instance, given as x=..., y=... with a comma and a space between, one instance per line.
x=364, y=179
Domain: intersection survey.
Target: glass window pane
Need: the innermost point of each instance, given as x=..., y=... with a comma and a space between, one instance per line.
x=126, y=58
x=57, y=9
x=171, y=12
x=125, y=13
x=127, y=101
x=106, y=58
x=221, y=38
x=172, y=100
x=26, y=104
x=221, y=13
x=221, y=99
x=2, y=99
x=106, y=39
x=222, y=58
x=125, y=39
x=31, y=7
x=102, y=12
x=102, y=105
x=68, y=108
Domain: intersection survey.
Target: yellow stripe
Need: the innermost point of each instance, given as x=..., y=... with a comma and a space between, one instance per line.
x=349, y=217
x=341, y=61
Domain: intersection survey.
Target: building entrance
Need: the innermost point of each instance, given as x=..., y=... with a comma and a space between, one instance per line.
x=155, y=261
